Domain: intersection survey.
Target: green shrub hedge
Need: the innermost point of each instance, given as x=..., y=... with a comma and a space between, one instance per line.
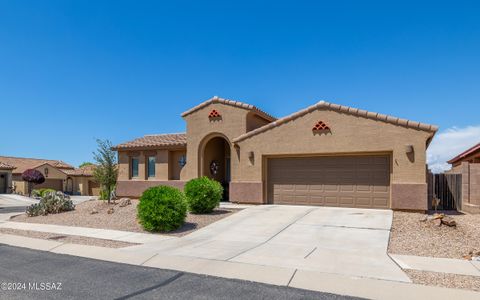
x=162, y=208
x=203, y=194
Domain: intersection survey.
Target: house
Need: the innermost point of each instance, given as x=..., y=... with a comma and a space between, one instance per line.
x=467, y=164
x=325, y=154
x=5, y=177
x=58, y=175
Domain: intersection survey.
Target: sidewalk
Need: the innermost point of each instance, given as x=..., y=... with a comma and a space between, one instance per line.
x=439, y=265
x=106, y=234
x=317, y=281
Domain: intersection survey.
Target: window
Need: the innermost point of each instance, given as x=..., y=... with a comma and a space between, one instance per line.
x=135, y=167
x=151, y=166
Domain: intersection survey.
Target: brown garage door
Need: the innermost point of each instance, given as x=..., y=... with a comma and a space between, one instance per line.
x=55, y=184
x=345, y=181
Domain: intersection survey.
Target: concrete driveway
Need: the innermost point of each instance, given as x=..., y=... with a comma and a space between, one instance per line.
x=344, y=241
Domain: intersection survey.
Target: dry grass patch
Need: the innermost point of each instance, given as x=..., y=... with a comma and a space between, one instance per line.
x=122, y=218
x=411, y=236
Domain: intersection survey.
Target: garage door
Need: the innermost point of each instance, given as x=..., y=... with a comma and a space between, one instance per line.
x=345, y=181
x=55, y=184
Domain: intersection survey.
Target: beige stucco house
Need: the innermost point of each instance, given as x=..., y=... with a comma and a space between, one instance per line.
x=58, y=175
x=467, y=164
x=326, y=154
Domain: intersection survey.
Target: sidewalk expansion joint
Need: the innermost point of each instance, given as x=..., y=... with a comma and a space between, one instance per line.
x=148, y=259
x=291, y=278
x=56, y=247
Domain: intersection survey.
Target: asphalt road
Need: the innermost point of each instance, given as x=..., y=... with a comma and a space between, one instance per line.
x=32, y=272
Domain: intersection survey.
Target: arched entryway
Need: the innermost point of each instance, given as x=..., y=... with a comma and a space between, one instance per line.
x=69, y=186
x=215, y=162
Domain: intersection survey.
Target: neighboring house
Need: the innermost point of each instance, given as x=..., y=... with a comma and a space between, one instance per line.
x=326, y=154
x=467, y=163
x=59, y=176
x=5, y=177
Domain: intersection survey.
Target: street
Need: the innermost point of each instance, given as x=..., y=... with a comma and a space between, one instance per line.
x=28, y=274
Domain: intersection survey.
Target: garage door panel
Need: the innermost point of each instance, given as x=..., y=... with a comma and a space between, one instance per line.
x=346, y=181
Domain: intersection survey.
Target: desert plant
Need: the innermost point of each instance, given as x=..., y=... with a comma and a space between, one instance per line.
x=51, y=203
x=84, y=164
x=32, y=177
x=203, y=194
x=41, y=192
x=162, y=208
x=106, y=172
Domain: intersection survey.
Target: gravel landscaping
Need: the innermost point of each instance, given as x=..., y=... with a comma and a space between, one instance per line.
x=71, y=239
x=122, y=218
x=411, y=236
x=444, y=280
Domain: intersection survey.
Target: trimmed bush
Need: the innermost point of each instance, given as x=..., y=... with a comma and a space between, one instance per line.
x=203, y=195
x=51, y=203
x=162, y=208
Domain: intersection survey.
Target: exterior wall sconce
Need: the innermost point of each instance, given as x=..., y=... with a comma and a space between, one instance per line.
x=251, y=157
x=45, y=171
x=409, y=149
x=182, y=161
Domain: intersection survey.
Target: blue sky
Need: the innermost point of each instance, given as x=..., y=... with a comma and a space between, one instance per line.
x=74, y=71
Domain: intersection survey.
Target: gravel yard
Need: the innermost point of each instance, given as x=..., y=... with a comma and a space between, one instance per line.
x=410, y=236
x=72, y=239
x=123, y=218
x=444, y=280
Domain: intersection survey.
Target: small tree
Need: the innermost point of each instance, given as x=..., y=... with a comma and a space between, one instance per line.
x=84, y=164
x=105, y=172
x=33, y=177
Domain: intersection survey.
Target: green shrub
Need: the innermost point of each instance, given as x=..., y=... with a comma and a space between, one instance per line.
x=41, y=192
x=162, y=208
x=51, y=203
x=203, y=194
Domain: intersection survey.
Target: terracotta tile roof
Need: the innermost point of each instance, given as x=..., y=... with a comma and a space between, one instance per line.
x=342, y=109
x=83, y=171
x=6, y=166
x=216, y=99
x=155, y=140
x=465, y=153
x=21, y=164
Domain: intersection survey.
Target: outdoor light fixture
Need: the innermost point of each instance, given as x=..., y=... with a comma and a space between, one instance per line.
x=182, y=161
x=408, y=148
x=251, y=155
x=46, y=172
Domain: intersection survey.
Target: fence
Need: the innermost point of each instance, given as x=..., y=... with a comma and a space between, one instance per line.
x=447, y=188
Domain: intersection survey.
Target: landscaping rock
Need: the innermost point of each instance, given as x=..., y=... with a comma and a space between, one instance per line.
x=94, y=211
x=437, y=222
x=124, y=202
x=438, y=216
x=449, y=221
x=110, y=211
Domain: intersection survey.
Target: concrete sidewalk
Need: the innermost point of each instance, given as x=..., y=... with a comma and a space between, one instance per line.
x=106, y=234
x=439, y=265
x=310, y=280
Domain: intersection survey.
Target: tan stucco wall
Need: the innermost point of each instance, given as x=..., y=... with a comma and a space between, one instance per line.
x=7, y=181
x=349, y=134
x=163, y=169
x=200, y=129
x=470, y=185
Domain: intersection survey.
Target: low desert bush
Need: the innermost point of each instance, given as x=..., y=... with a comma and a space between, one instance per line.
x=40, y=193
x=203, y=194
x=162, y=208
x=51, y=203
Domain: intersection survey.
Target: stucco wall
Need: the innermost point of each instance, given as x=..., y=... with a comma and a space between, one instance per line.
x=200, y=129
x=348, y=134
x=470, y=185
